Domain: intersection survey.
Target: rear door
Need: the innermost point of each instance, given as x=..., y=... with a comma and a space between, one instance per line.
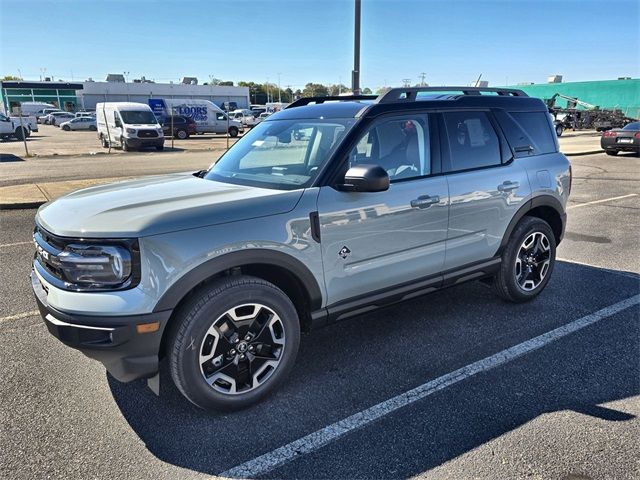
x=373, y=242
x=486, y=186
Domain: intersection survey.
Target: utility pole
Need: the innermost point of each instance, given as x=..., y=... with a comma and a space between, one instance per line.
x=355, y=74
x=42, y=72
x=422, y=76
x=279, y=94
x=406, y=82
x=126, y=76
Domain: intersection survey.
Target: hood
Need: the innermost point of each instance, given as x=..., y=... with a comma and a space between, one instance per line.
x=159, y=204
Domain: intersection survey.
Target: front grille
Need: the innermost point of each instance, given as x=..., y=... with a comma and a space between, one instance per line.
x=47, y=250
x=147, y=133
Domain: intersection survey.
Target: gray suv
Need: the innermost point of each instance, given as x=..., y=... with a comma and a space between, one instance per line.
x=325, y=210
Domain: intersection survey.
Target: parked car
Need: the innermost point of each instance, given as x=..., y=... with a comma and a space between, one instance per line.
x=244, y=116
x=625, y=139
x=128, y=125
x=10, y=127
x=80, y=123
x=208, y=116
x=219, y=271
x=85, y=114
x=183, y=127
x=263, y=116
x=43, y=117
x=56, y=118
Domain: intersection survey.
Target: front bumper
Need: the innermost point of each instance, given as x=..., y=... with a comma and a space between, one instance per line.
x=113, y=341
x=145, y=142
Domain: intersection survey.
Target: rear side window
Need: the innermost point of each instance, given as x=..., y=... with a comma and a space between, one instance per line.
x=473, y=142
x=536, y=126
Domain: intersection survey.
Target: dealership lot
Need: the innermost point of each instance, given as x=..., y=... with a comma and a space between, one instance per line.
x=51, y=140
x=568, y=408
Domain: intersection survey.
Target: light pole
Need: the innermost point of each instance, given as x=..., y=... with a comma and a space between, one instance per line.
x=355, y=74
x=279, y=94
x=42, y=72
x=126, y=76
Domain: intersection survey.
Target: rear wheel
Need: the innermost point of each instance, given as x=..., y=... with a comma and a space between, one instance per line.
x=159, y=147
x=613, y=153
x=21, y=133
x=527, y=261
x=559, y=130
x=103, y=140
x=66, y=128
x=92, y=128
x=182, y=134
x=233, y=132
x=233, y=343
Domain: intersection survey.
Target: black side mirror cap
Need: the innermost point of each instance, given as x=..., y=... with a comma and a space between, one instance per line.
x=365, y=178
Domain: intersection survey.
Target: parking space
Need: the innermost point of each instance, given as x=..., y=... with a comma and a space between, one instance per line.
x=567, y=407
x=51, y=140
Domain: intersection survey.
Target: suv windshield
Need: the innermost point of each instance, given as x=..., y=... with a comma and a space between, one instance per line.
x=132, y=117
x=281, y=154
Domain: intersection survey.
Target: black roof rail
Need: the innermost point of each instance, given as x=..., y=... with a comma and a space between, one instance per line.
x=409, y=94
x=301, y=102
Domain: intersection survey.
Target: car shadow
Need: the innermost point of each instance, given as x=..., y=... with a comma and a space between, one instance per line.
x=8, y=157
x=352, y=365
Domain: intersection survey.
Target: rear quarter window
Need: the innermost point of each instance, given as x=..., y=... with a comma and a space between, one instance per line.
x=532, y=128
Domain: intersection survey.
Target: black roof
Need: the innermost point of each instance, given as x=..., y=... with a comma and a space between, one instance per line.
x=41, y=85
x=407, y=99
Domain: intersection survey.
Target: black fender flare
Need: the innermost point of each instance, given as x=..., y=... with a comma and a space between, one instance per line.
x=176, y=292
x=535, y=202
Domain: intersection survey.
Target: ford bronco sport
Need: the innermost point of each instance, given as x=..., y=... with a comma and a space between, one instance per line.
x=325, y=210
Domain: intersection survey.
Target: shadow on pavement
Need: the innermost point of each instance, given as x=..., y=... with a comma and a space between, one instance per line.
x=8, y=157
x=352, y=365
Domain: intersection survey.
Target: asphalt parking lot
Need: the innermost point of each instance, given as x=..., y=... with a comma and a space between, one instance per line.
x=563, y=406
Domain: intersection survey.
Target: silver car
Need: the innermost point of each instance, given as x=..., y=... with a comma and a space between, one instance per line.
x=325, y=210
x=80, y=123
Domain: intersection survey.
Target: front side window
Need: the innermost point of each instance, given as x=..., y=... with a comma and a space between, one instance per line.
x=399, y=145
x=473, y=143
x=281, y=154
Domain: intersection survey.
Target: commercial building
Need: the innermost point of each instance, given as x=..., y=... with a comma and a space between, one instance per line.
x=85, y=95
x=623, y=94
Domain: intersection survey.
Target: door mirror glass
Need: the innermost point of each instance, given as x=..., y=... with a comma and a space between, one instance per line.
x=365, y=178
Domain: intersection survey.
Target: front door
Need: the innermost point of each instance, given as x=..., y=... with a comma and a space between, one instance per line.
x=375, y=241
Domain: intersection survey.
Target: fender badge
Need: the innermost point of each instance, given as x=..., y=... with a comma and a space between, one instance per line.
x=344, y=252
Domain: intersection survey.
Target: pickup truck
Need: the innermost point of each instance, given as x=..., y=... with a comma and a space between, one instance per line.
x=10, y=127
x=246, y=117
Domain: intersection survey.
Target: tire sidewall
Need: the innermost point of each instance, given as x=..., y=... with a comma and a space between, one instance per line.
x=185, y=361
x=527, y=226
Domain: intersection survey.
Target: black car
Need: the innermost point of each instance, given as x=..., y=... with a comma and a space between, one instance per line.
x=625, y=139
x=183, y=126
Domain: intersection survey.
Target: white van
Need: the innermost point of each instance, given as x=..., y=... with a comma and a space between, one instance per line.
x=35, y=108
x=208, y=116
x=128, y=125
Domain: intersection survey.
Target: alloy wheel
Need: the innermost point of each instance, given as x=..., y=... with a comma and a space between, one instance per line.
x=242, y=349
x=532, y=261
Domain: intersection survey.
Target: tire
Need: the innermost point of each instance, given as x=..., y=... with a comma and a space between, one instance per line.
x=21, y=133
x=559, y=130
x=104, y=141
x=125, y=147
x=264, y=311
x=515, y=287
x=613, y=153
x=159, y=147
x=182, y=134
x=92, y=128
x=66, y=128
x=233, y=132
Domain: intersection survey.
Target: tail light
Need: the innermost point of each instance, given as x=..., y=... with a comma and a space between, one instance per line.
x=609, y=133
x=637, y=135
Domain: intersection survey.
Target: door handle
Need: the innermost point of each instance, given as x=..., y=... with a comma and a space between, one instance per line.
x=508, y=186
x=425, y=201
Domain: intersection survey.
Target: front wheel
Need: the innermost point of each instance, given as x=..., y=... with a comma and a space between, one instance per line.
x=233, y=132
x=527, y=261
x=182, y=134
x=66, y=128
x=233, y=343
x=613, y=153
x=21, y=133
x=125, y=147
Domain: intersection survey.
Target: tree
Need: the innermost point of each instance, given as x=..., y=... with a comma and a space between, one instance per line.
x=315, y=90
x=226, y=83
x=338, y=89
x=382, y=90
x=367, y=91
x=8, y=78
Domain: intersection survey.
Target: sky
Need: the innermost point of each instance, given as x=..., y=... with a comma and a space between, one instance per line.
x=298, y=41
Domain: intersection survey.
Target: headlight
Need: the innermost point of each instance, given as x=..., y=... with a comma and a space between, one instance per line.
x=95, y=265
x=132, y=131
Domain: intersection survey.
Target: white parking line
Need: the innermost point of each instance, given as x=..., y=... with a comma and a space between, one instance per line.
x=16, y=244
x=18, y=316
x=599, y=267
x=602, y=201
x=316, y=440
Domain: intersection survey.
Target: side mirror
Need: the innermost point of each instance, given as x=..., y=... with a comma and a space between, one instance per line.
x=365, y=178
